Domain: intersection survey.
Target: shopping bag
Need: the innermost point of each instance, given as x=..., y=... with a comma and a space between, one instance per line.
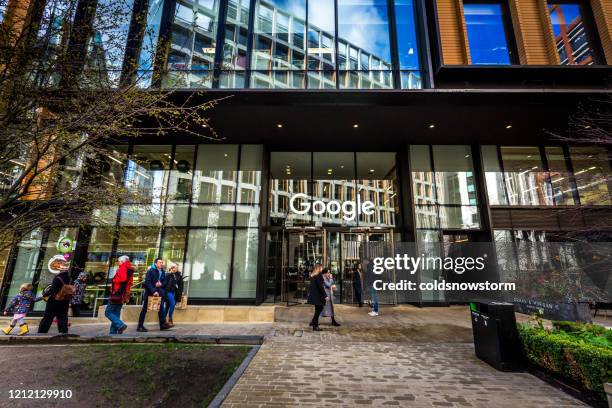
x=154, y=303
x=183, y=303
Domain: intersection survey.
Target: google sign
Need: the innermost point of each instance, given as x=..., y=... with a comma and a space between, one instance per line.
x=349, y=209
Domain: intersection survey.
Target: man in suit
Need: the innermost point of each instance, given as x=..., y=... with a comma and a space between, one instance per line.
x=155, y=280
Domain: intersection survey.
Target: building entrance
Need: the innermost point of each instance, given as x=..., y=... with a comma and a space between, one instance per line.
x=292, y=253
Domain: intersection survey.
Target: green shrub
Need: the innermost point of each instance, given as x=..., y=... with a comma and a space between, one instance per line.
x=568, y=355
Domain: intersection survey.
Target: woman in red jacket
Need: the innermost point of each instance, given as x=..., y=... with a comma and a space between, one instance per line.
x=121, y=285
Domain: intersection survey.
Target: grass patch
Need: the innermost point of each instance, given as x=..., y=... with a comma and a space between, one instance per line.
x=168, y=374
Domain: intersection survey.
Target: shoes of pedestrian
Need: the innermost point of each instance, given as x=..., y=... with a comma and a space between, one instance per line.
x=361, y=305
x=373, y=313
x=24, y=330
x=335, y=323
x=164, y=327
x=141, y=329
x=7, y=330
x=122, y=329
x=316, y=328
x=311, y=324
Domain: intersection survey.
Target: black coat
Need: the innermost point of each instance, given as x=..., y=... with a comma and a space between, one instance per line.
x=316, y=291
x=151, y=278
x=174, y=284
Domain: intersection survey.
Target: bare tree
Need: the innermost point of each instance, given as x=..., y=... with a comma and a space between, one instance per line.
x=71, y=86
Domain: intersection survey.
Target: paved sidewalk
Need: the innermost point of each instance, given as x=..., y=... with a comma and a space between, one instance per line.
x=405, y=357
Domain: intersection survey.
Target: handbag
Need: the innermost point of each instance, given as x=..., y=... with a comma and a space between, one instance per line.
x=154, y=303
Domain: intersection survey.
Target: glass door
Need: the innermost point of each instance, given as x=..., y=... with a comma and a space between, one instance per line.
x=304, y=249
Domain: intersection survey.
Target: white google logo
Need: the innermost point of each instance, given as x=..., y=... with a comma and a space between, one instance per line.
x=349, y=209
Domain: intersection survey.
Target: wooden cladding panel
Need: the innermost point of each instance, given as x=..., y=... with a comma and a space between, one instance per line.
x=533, y=32
x=453, y=35
x=602, y=12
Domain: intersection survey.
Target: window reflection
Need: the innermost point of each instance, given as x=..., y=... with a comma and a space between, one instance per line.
x=208, y=264
x=571, y=35
x=527, y=182
x=593, y=174
x=487, y=32
x=146, y=175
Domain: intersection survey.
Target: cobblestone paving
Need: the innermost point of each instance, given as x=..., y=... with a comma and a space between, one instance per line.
x=404, y=358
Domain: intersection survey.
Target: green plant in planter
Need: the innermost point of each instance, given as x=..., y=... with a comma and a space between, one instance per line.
x=582, y=354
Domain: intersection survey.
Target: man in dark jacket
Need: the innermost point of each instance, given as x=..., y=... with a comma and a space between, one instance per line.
x=155, y=280
x=56, y=308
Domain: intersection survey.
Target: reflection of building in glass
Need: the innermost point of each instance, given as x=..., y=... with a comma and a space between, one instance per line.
x=570, y=34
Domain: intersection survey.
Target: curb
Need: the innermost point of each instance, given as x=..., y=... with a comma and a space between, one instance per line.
x=231, y=382
x=76, y=339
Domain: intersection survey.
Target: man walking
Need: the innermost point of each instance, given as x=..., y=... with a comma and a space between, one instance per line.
x=155, y=280
x=120, y=294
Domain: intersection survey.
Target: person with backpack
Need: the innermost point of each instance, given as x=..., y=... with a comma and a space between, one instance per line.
x=121, y=286
x=58, y=296
x=20, y=306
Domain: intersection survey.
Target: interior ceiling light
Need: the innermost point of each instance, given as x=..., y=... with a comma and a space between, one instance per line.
x=508, y=126
x=356, y=125
x=432, y=126
x=280, y=125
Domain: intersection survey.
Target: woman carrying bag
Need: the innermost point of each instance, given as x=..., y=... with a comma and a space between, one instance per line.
x=317, y=295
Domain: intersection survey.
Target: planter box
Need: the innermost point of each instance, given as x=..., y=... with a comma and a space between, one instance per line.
x=573, y=312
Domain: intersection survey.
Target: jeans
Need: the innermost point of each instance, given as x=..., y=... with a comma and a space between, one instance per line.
x=112, y=313
x=374, y=299
x=170, y=304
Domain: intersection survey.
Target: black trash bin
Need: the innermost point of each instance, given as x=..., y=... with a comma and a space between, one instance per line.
x=496, y=339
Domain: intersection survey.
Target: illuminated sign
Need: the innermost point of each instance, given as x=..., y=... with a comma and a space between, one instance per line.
x=349, y=209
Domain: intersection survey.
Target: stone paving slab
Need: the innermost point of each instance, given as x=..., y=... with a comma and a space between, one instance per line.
x=382, y=375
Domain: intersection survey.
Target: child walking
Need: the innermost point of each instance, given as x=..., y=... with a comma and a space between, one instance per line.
x=20, y=307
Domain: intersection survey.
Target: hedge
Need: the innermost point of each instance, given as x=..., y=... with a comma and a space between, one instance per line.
x=568, y=356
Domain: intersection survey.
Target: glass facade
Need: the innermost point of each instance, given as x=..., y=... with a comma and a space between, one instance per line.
x=573, y=40
x=487, y=31
x=547, y=176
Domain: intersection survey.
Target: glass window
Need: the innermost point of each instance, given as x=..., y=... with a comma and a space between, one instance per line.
x=212, y=215
x=149, y=43
x=334, y=180
x=26, y=263
x=179, y=189
x=560, y=177
x=173, y=247
x=377, y=182
x=98, y=260
x=192, y=44
x=215, y=174
x=290, y=174
x=141, y=215
x=572, y=37
x=50, y=253
x=593, y=174
x=106, y=49
x=146, y=176
x=278, y=43
x=527, y=182
x=249, y=176
x=444, y=188
x=235, y=44
x=494, y=176
x=142, y=246
x=487, y=33
x=407, y=35
x=208, y=262
x=321, y=35
x=244, y=278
